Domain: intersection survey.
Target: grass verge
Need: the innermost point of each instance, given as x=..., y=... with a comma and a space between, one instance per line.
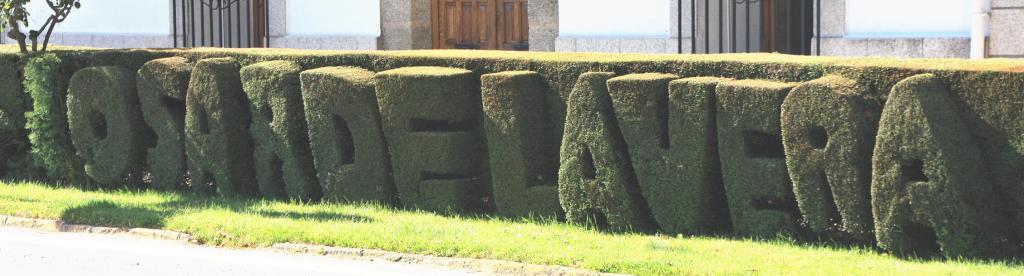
x=249, y=223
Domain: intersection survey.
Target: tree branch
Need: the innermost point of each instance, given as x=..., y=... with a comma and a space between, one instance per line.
x=16, y=34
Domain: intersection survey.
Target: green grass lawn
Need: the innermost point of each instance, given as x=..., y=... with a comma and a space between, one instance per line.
x=249, y=223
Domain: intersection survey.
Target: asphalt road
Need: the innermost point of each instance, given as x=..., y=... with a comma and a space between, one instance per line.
x=31, y=252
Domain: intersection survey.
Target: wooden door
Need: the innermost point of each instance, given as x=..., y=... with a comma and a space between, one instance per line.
x=480, y=24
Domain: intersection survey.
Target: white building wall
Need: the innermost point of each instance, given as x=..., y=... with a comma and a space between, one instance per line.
x=330, y=24
x=614, y=18
x=908, y=18
x=110, y=23
x=896, y=28
x=646, y=26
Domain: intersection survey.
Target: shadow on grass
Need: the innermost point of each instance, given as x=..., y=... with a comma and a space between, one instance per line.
x=109, y=214
x=113, y=214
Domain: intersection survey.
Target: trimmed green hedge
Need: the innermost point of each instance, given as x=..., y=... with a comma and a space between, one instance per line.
x=757, y=185
x=431, y=120
x=596, y=184
x=752, y=145
x=15, y=161
x=163, y=84
x=693, y=130
x=519, y=142
x=46, y=82
x=346, y=136
x=106, y=125
x=284, y=164
x=217, y=139
x=828, y=131
x=930, y=191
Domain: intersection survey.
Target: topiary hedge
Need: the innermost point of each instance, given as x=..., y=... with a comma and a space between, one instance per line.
x=752, y=145
x=431, y=120
x=106, y=125
x=757, y=185
x=216, y=130
x=163, y=84
x=46, y=82
x=519, y=142
x=346, y=136
x=14, y=143
x=284, y=164
x=929, y=189
x=828, y=132
x=596, y=184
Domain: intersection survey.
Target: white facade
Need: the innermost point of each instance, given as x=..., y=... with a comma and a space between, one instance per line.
x=908, y=18
x=333, y=24
x=146, y=17
x=336, y=17
x=614, y=18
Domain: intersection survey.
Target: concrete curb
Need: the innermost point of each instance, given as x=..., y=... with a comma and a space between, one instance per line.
x=485, y=266
x=478, y=265
x=50, y=225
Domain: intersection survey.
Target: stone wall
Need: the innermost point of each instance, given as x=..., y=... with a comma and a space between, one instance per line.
x=543, y=24
x=405, y=25
x=1006, y=37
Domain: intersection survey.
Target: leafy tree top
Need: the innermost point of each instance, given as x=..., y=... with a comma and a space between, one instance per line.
x=14, y=17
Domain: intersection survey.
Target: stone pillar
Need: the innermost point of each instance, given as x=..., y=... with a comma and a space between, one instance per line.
x=278, y=21
x=832, y=25
x=543, y=24
x=1007, y=33
x=405, y=25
